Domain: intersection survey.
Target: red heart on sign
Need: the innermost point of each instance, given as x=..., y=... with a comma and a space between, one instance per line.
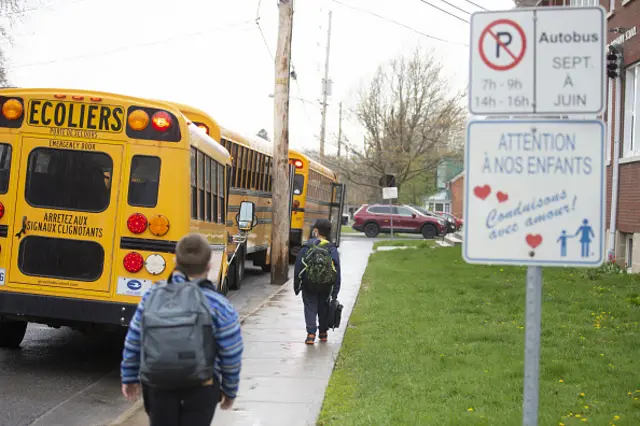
x=502, y=196
x=534, y=240
x=482, y=192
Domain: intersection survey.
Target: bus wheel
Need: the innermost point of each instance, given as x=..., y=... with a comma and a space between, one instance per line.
x=237, y=271
x=12, y=333
x=224, y=287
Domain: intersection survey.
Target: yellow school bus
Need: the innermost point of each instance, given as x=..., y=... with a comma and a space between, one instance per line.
x=94, y=195
x=250, y=180
x=316, y=195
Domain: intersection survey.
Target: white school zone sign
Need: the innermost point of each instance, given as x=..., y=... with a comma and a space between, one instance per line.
x=534, y=193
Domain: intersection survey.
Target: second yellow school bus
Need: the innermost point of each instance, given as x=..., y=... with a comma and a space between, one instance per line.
x=317, y=194
x=250, y=180
x=94, y=195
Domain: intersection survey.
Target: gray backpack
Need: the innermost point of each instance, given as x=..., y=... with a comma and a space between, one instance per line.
x=177, y=344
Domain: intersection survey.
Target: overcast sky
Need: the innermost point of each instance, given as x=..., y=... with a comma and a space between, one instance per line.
x=211, y=53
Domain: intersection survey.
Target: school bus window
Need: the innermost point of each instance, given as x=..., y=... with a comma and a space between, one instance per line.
x=71, y=180
x=254, y=170
x=200, y=174
x=221, y=217
x=194, y=192
x=234, y=168
x=257, y=169
x=64, y=258
x=271, y=175
x=263, y=159
x=298, y=184
x=214, y=191
x=267, y=173
x=240, y=171
x=250, y=174
x=5, y=167
x=144, y=180
x=207, y=189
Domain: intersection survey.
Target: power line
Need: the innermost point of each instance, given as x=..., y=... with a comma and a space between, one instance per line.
x=455, y=7
x=264, y=39
x=126, y=48
x=398, y=23
x=444, y=11
x=36, y=9
x=476, y=5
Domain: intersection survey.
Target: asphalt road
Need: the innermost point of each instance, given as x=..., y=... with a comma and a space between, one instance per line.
x=61, y=378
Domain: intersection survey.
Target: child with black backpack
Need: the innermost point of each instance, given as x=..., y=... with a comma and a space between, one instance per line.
x=317, y=275
x=184, y=344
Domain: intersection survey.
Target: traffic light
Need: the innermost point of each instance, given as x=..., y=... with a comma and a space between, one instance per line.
x=614, y=61
x=387, y=181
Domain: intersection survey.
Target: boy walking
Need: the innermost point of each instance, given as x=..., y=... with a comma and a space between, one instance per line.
x=184, y=344
x=317, y=275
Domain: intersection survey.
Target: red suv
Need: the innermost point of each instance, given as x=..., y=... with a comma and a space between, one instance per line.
x=375, y=218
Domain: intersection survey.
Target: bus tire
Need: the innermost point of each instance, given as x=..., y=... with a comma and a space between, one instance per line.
x=12, y=333
x=224, y=285
x=237, y=270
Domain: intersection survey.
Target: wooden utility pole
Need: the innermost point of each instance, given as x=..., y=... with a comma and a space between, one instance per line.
x=325, y=92
x=281, y=196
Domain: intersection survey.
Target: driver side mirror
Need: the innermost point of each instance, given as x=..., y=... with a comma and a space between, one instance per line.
x=246, y=218
x=413, y=215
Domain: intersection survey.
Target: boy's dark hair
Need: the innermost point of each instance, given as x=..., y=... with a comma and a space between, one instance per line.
x=324, y=227
x=193, y=254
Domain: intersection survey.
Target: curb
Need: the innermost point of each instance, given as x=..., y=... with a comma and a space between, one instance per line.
x=138, y=405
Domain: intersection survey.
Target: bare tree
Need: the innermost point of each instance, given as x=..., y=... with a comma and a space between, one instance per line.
x=7, y=7
x=411, y=120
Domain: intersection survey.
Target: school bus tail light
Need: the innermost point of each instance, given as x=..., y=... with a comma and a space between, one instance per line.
x=12, y=109
x=155, y=264
x=1, y=210
x=296, y=204
x=161, y=121
x=159, y=225
x=133, y=262
x=138, y=120
x=298, y=164
x=137, y=223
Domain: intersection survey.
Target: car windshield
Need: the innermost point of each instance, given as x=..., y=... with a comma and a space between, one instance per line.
x=422, y=211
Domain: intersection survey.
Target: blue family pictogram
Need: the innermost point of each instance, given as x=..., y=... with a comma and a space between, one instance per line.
x=585, y=231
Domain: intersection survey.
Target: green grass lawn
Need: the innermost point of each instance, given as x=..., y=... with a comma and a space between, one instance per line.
x=435, y=341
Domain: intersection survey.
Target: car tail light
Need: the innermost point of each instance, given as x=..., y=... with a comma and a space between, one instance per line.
x=161, y=121
x=12, y=109
x=159, y=225
x=298, y=164
x=138, y=120
x=1, y=210
x=137, y=223
x=155, y=264
x=133, y=262
x=296, y=203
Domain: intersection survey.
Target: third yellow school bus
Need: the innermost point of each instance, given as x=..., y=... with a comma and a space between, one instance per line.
x=94, y=195
x=316, y=195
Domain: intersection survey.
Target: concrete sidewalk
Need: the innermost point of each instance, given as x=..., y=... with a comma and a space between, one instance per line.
x=283, y=380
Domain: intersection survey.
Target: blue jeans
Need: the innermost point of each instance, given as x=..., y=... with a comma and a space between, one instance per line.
x=316, y=305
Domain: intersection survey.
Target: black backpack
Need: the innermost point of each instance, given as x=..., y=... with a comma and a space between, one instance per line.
x=318, y=273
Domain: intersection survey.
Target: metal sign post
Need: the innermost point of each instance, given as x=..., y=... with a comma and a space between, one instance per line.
x=389, y=194
x=532, y=346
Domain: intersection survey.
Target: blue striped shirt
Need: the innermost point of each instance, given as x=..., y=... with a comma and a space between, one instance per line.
x=226, y=332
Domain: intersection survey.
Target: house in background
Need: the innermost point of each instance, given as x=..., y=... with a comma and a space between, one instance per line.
x=441, y=200
x=456, y=189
